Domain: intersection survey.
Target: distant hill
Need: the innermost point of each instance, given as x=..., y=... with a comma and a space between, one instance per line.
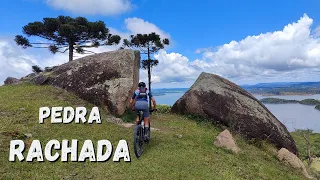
x=284, y=88
x=313, y=102
x=164, y=91
x=277, y=88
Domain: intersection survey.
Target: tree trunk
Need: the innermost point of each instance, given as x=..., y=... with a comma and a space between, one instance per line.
x=149, y=78
x=70, y=52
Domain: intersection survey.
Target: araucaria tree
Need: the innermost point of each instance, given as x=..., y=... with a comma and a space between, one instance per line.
x=147, y=44
x=65, y=33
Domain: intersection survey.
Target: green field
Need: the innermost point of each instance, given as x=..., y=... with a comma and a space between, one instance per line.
x=181, y=149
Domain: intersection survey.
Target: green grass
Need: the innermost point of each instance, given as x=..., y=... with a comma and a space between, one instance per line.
x=301, y=144
x=166, y=157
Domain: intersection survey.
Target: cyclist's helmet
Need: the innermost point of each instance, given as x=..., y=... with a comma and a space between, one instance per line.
x=142, y=84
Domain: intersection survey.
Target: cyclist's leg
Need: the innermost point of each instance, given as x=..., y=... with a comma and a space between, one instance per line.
x=146, y=116
x=138, y=107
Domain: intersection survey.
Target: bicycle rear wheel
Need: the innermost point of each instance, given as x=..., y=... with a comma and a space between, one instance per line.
x=138, y=141
x=149, y=132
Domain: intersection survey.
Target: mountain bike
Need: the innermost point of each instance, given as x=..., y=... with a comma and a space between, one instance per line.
x=139, y=135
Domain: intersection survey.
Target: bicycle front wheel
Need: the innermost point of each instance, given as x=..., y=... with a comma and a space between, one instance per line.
x=138, y=141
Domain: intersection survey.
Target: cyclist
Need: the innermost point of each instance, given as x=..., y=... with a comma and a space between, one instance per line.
x=140, y=97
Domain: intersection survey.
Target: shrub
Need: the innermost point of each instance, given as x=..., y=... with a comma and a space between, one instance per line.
x=163, y=108
x=129, y=116
x=36, y=69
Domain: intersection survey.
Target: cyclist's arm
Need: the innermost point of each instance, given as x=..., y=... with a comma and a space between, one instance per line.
x=132, y=100
x=153, y=101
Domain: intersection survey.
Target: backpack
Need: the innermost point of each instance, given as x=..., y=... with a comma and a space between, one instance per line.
x=143, y=93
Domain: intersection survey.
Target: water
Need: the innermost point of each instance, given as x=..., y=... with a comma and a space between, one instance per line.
x=293, y=116
x=168, y=98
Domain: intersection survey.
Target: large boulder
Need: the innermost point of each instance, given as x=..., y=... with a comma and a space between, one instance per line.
x=105, y=79
x=222, y=101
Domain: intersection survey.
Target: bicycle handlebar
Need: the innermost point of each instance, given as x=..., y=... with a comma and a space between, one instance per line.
x=152, y=110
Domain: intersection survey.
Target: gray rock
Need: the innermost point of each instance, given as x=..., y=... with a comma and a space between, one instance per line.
x=11, y=81
x=222, y=101
x=28, y=77
x=28, y=135
x=178, y=136
x=293, y=161
x=49, y=69
x=115, y=120
x=105, y=79
x=40, y=79
x=225, y=140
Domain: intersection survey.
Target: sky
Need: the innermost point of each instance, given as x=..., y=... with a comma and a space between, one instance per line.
x=247, y=42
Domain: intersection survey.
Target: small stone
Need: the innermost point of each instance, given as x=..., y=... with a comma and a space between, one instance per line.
x=179, y=136
x=293, y=161
x=154, y=129
x=115, y=120
x=127, y=125
x=225, y=140
x=28, y=135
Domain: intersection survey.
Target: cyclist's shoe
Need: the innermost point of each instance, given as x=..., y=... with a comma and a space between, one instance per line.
x=146, y=139
x=147, y=135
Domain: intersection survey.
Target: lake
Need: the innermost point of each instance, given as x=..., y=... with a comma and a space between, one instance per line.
x=293, y=116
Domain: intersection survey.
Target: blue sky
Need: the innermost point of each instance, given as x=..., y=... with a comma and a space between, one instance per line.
x=201, y=33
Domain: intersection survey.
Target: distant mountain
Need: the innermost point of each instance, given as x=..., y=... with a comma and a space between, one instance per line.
x=284, y=84
x=284, y=88
x=163, y=91
x=276, y=88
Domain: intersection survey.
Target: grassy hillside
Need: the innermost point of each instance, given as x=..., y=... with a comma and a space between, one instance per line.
x=168, y=156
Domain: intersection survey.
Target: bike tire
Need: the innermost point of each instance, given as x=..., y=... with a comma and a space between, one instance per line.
x=138, y=141
x=149, y=133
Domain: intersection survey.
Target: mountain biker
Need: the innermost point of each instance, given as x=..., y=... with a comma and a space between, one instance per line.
x=140, y=95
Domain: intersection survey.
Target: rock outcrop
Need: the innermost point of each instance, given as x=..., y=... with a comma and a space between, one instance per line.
x=225, y=140
x=105, y=79
x=293, y=161
x=222, y=101
x=11, y=81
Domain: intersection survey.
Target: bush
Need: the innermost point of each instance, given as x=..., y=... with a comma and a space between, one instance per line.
x=163, y=108
x=36, y=69
x=129, y=116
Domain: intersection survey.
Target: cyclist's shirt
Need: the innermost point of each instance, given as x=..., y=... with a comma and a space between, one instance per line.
x=142, y=95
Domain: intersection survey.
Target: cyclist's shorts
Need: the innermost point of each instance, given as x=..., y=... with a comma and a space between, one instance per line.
x=142, y=106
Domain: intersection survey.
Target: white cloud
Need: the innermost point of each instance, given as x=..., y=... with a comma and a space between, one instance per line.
x=291, y=54
x=174, y=67
x=13, y=61
x=92, y=7
x=136, y=25
x=272, y=55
